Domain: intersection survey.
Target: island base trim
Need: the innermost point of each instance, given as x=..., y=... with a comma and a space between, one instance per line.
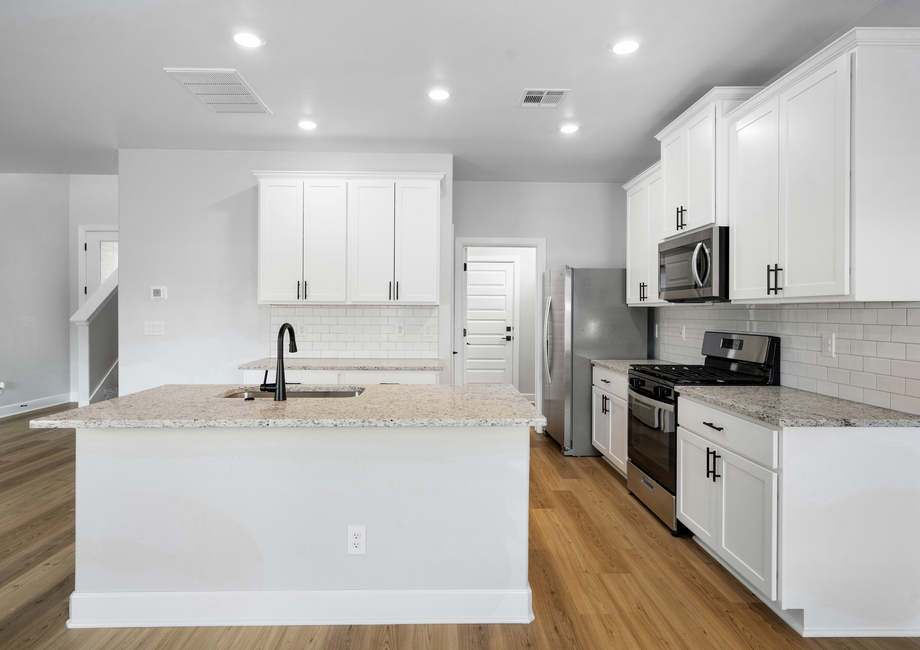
x=323, y=607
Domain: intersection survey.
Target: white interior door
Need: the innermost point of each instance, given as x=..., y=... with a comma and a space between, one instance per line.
x=100, y=260
x=489, y=355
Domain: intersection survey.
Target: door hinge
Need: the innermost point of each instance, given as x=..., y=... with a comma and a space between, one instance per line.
x=84, y=247
x=464, y=266
x=455, y=352
x=84, y=291
x=464, y=331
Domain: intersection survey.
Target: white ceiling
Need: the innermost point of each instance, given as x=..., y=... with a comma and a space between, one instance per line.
x=83, y=78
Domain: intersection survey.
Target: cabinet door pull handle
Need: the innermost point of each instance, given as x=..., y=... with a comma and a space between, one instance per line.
x=712, y=426
x=298, y=290
x=708, y=471
x=397, y=289
x=677, y=218
x=715, y=456
x=306, y=289
x=776, y=287
x=390, y=291
x=604, y=404
x=769, y=271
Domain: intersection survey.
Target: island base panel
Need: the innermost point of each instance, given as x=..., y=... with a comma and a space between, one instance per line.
x=249, y=526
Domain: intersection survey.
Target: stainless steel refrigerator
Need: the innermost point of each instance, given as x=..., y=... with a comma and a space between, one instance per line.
x=585, y=317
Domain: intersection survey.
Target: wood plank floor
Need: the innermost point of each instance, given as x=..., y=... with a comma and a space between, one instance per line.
x=604, y=572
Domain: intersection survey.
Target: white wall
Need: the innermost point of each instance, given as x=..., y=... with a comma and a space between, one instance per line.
x=525, y=280
x=584, y=223
x=188, y=220
x=34, y=282
x=93, y=201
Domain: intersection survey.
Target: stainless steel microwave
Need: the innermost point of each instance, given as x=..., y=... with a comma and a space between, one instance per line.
x=694, y=267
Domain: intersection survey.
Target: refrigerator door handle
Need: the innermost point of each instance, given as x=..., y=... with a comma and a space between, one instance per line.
x=549, y=302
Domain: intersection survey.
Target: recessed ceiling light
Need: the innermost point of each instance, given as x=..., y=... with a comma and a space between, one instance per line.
x=568, y=128
x=439, y=94
x=626, y=45
x=307, y=124
x=248, y=40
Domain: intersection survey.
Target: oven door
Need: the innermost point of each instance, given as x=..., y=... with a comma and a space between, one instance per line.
x=652, y=441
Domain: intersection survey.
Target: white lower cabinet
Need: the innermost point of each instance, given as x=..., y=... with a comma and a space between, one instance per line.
x=727, y=500
x=609, y=417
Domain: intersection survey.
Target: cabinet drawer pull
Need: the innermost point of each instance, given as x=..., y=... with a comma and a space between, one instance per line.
x=712, y=426
x=606, y=381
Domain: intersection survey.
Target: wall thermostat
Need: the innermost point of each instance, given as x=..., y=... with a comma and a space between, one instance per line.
x=158, y=293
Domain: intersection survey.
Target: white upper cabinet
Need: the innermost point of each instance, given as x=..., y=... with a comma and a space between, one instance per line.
x=370, y=240
x=394, y=240
x=302, y=250
x=416, y=241
x=348, y=238
x=280, y=240
x=644, y=201
x=693, y=159
x=822, y=177
x=324, y=233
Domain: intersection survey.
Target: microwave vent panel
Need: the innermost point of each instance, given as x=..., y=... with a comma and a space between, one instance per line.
x=222, y=90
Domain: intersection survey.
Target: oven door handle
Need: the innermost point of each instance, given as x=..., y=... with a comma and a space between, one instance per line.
x=654, y=403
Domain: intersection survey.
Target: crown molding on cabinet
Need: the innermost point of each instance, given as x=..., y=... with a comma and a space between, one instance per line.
x=741, y=93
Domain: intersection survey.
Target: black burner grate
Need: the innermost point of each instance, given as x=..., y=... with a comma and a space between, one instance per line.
x=679, y=374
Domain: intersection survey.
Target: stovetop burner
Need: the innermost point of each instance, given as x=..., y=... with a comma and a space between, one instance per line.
x=681, y=374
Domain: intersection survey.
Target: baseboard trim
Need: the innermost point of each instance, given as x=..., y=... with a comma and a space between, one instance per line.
x=321, y=607
x=34, y=405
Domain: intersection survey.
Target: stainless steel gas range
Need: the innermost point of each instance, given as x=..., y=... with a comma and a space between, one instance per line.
x=731, y=359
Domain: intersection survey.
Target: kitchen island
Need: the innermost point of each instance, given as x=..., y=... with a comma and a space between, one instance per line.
x=197, y=509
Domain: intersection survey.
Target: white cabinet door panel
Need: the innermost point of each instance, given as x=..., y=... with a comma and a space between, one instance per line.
x=280, y=240
x=371, y=206
x=324, y=244
x=748, y=512
x=674, y=172
x=814, y=183
x=618, y=417
x=655, y=212
x=637, y=226
x=697, y=493
x=753, y=169
x=600, y=421
x=701, y=171
x=416, y=246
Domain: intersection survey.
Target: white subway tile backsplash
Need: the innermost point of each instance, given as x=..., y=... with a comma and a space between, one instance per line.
x=877, y=345
x=360, y=333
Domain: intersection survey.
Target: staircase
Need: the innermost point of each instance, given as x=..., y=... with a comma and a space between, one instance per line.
x=97, y=344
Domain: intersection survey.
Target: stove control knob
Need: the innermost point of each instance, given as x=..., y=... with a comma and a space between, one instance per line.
x=662, y=391
x=635, y=382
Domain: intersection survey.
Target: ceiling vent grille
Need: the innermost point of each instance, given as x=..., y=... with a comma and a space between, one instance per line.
x=220, y=89
x=542, y=98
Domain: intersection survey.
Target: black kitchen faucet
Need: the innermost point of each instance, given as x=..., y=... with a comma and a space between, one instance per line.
x=278, y=386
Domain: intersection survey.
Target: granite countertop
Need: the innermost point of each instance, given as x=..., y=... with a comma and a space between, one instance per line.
x=293, y=363
x=621, y=366
x=386, y=405
x=789, y=407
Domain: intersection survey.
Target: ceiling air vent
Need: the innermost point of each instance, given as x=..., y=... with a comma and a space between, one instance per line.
x=221, y=89
x=542, y=98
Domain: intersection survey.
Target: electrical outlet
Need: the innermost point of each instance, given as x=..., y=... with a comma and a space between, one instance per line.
x=300, y=328
x=828, y=345
x=357, y=540
x=400, y=329
x=153, y=328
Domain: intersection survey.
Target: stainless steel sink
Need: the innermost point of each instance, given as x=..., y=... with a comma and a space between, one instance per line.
x=300, y=394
